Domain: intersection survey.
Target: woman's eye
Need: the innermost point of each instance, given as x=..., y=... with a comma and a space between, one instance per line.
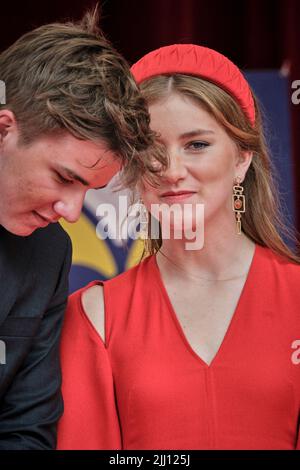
x=197, y=145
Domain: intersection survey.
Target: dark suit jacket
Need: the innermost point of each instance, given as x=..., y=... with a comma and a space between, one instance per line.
x=33, y=293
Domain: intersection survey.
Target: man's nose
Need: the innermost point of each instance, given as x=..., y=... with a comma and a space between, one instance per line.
x=70, y=206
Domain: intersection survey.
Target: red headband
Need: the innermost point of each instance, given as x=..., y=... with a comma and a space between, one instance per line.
x=200, y=61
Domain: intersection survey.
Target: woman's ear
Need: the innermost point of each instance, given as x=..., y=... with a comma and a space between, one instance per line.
x=243, y=162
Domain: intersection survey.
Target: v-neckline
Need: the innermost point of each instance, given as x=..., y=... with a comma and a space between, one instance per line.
x=234, y=318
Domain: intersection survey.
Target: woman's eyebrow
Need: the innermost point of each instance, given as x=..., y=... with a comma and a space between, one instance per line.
x=195, y=133
x=189, y=134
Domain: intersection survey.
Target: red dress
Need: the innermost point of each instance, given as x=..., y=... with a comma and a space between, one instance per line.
x=148, y=389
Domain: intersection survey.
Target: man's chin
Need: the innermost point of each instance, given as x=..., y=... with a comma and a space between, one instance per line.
x=26, y=233
x=20, y=231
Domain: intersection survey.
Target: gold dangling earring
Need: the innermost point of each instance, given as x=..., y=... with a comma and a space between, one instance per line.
x=238, y=203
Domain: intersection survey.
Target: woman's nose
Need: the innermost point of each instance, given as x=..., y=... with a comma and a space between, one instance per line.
x=176, y=169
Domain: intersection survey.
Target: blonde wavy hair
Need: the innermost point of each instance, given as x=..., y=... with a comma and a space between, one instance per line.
x=67, y=77
x=263, y=221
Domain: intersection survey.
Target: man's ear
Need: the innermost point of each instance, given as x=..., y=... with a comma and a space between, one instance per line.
x=243, y=162
x=8, y=123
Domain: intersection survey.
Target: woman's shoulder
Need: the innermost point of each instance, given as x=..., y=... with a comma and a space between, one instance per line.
x=280, y=261
x=279, y=270
x=91, y=299
x=131, y=275
x=74, y=299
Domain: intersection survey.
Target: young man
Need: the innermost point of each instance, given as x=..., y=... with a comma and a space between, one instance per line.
x=72, y=117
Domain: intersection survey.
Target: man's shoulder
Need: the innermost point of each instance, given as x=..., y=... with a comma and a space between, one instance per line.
x=48, y=245
x=33, y=269
x=53, y=235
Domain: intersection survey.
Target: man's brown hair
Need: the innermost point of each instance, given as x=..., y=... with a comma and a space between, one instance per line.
x=67, y=77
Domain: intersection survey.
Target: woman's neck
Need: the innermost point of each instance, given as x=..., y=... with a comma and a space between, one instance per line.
x=225, y=255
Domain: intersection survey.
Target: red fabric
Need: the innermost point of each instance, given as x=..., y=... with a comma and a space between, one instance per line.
x=90, y=419
x=201, y=61
x=147, y=389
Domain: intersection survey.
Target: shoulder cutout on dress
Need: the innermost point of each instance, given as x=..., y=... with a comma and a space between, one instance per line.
x=93, y=305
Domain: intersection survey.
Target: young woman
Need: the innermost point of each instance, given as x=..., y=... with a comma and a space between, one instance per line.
x=193, y=349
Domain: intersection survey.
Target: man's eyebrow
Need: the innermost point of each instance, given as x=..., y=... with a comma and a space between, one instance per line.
x=195, y=133
x=74, y=176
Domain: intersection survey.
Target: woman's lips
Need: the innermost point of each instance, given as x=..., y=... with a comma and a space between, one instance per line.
x=171, y=197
